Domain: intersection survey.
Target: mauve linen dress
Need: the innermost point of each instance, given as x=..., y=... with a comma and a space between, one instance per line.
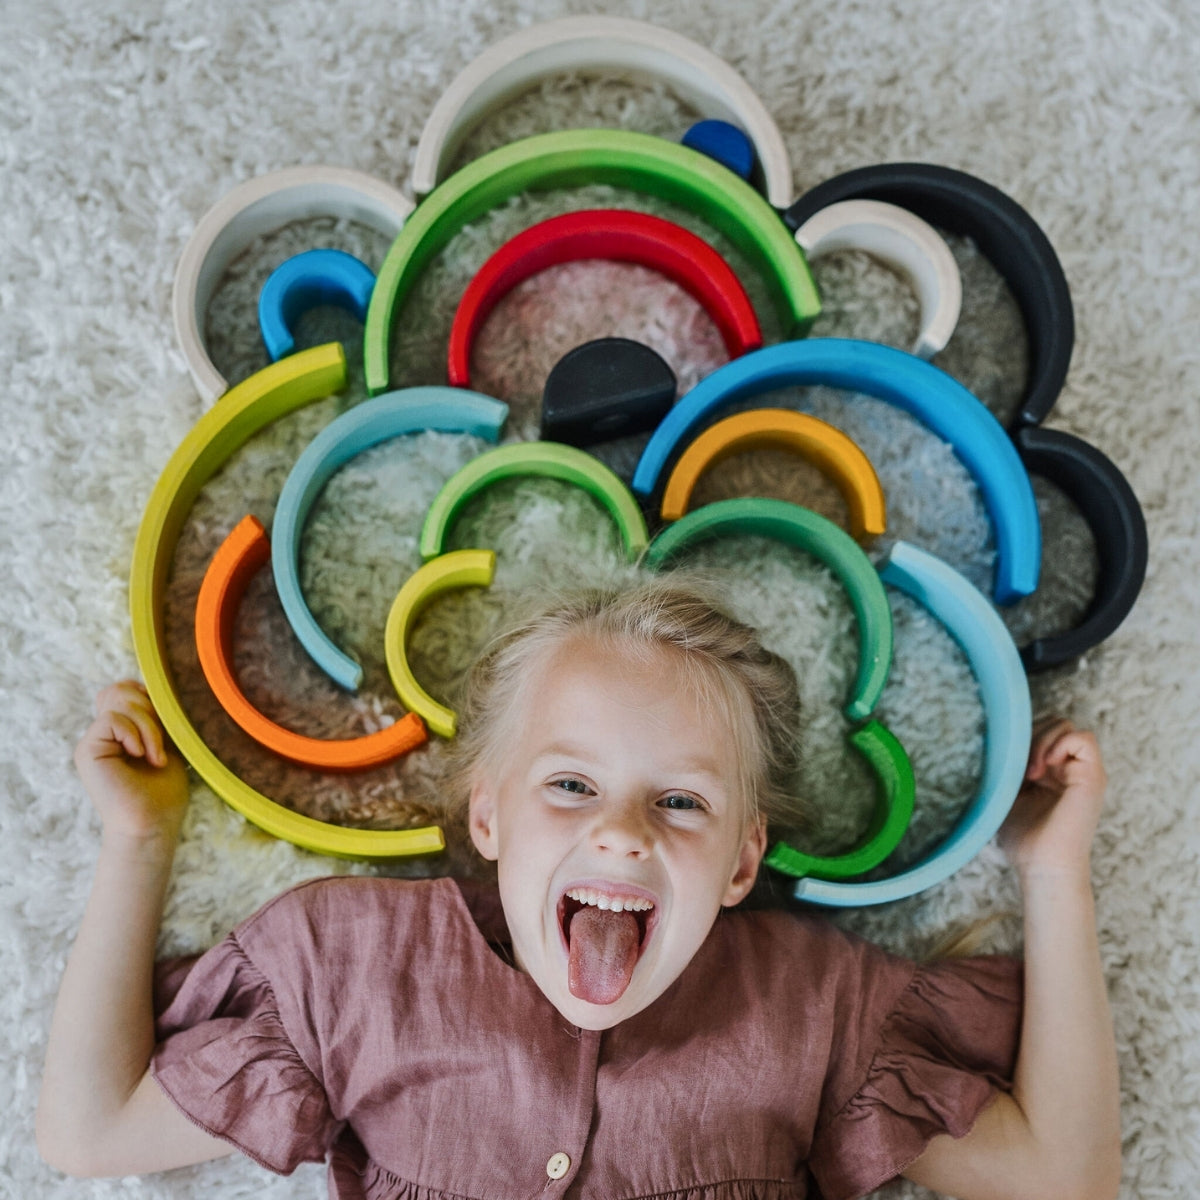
x=376, y=1023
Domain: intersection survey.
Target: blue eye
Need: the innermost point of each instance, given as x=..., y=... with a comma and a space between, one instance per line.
x=575, y=786
x=680, y=802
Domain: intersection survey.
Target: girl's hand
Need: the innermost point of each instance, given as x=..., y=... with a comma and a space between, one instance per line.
x=1053, y=821
x=134, y=777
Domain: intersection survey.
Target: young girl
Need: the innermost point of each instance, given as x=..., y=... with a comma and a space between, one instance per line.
x=606, y=1023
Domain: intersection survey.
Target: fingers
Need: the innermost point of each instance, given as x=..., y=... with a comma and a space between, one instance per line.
x=1046, y=731
x=126, y=721
x=1069, y=753
x=1075, y=759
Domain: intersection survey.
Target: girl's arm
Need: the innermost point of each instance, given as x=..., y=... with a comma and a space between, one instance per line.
x=1058, y=1134
x=99, y=1112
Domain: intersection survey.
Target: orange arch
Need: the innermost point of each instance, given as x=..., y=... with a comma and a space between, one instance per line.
x=242, y=553
x=827, y=448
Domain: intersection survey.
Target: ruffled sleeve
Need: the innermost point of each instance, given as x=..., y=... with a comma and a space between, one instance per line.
x=226, y=1060
x=921, y=1060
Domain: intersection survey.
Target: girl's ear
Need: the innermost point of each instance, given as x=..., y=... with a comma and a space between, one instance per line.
x=481, y=820
x=754, y=846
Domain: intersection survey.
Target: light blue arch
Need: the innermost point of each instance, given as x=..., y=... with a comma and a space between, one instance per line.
x=1004, y=691
x=409, y=410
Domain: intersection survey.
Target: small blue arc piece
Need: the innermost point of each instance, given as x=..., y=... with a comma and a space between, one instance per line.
x=723, y=143
x=309, y=280
x=1004, y=692
x=409, y=410
x=920, y=389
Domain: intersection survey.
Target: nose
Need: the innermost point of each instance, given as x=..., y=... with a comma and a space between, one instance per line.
x=622, y=827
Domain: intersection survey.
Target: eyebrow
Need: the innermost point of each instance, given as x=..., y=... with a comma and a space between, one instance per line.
x=688, y=767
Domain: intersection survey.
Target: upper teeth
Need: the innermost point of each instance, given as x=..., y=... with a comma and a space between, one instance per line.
x=615, y=903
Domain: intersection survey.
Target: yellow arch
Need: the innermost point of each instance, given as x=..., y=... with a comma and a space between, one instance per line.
x=459, y=568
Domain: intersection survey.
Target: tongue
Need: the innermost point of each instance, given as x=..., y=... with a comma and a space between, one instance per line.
x=604, y=951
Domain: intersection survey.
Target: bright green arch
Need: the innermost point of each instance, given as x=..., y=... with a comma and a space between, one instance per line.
x=574, y=158
x=551, y=460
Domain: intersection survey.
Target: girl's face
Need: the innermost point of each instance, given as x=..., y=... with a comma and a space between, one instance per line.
x=619, y=827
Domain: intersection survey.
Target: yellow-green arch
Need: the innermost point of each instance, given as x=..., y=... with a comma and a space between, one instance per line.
x=266, y=396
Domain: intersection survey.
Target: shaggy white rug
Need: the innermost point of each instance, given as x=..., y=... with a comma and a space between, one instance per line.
x=121, y=123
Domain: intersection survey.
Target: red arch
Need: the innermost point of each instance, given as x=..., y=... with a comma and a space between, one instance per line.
x=617, y=235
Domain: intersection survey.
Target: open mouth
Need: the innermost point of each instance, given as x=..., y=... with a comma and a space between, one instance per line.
x=605, y=933
x=574, y=900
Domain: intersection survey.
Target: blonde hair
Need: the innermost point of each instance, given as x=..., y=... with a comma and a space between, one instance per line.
x=966, y=941
x=725, y=664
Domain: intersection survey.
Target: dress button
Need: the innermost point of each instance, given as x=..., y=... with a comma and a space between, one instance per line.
x=558, y=1165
